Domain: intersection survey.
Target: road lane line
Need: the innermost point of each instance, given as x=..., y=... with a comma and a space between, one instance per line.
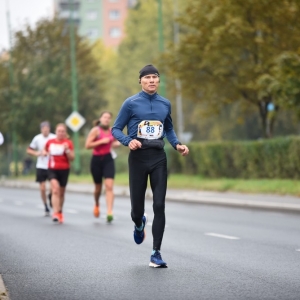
x=298, y=250
x=222, y=236
x=71, y=211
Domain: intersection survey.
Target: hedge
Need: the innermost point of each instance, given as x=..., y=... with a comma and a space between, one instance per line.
x=270, y=158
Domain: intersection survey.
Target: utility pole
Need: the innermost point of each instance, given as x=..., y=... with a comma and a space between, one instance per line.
x=12, y=83
x=162, y=87
x=74, y=83
x=180, y=126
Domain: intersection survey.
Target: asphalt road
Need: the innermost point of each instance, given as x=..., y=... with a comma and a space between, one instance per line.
x=212, y=252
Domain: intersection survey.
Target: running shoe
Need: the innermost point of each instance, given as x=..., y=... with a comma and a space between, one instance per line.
x=50, y=199
x=47, y=212
x=55, y=217
x=96, y=212
x=156, y=261
x=139, y=235
x=109, y=218
x=61, y=218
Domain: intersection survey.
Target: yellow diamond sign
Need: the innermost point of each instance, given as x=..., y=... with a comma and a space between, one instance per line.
x=75, y=121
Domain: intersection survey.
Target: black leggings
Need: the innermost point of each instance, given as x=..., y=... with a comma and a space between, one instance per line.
x=144, y=162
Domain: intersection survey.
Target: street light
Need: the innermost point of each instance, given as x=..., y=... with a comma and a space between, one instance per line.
x=12, y=82
x=74, y=84
x=180, y=126
x=162, y=87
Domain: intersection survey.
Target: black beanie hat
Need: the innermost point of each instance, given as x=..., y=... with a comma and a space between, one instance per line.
x=149, y=69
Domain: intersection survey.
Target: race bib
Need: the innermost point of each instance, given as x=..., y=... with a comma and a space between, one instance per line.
x=55, y=149
x=150, y=130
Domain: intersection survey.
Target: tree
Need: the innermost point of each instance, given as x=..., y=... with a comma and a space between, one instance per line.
x=42, y=89
x=140, y=45
x=228, y=46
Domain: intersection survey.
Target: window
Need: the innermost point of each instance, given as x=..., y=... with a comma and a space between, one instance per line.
x=92, y=15
x=65, y=14
x=115, y=32
x=114, y=14
x=92, y=33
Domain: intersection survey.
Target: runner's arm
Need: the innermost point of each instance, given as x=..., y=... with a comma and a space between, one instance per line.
x=120, y=123
x=32, y=148
x=170, y=133
x=90, y=142
x=33, y=152
x=69, y=150
x=115, y=144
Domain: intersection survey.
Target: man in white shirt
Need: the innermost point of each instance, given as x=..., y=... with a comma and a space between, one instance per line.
x=36, y=148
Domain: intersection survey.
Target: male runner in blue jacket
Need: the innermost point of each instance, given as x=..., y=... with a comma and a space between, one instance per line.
x=147, y=116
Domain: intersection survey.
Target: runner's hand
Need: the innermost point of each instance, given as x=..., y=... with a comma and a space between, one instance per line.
x=44, y=153
x=135, y=144
x=183, y=149
x=66, y=146
x=106, y=140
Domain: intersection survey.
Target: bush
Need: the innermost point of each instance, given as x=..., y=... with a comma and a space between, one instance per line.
x=274, y=158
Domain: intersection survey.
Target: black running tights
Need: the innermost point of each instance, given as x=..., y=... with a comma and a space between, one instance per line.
x=153, y=163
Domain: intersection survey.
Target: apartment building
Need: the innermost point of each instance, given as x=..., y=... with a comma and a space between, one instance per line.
x=96, y=19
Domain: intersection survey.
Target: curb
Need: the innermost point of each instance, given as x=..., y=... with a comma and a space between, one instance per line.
x=177, y=196
x=3, y=291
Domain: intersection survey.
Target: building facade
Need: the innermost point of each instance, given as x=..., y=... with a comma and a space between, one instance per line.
x=96, y=19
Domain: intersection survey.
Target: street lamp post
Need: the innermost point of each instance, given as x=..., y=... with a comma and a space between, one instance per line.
x=161, y=46
x=74, y=84
x=12, y=82
x=180, y=122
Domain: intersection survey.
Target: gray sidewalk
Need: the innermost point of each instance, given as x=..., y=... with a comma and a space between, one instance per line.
x=262, y=201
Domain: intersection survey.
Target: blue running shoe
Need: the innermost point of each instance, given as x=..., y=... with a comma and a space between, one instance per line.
x=156, y=261
x=139, y=235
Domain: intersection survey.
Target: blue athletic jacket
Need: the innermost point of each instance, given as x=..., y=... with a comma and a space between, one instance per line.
x=138, y=108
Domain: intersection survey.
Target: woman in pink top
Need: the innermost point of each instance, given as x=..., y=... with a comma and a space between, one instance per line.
x=101, y=141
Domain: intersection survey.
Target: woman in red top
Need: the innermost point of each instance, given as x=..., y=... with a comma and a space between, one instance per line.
x=60, y=151
x=101, y=141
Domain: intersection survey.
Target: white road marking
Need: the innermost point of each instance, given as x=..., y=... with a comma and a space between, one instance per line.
x=71, y=211
x=223, y=236
x=19, y=203
x=40, y=206
x=298, y=250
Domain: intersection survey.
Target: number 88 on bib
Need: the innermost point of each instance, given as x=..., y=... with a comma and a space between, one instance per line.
x=150, y=130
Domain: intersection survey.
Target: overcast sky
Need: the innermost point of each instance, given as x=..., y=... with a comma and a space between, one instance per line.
x=22, y=11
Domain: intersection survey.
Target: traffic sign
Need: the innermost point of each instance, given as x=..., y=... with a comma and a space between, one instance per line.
x=75, y=121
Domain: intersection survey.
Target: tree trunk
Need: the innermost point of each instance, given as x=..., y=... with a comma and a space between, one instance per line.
x=263, y=114
x=267, y=117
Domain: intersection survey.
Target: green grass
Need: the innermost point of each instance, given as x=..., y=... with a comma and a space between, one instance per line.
x=179, y=181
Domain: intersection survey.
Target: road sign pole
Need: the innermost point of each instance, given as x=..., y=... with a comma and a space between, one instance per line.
x=74, y=84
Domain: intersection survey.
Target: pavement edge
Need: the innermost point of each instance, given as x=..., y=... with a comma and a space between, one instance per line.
x=182, y=198
x=3, y=292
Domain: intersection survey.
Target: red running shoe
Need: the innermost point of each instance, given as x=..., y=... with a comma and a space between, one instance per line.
x=61, y=218
x=96, y=211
